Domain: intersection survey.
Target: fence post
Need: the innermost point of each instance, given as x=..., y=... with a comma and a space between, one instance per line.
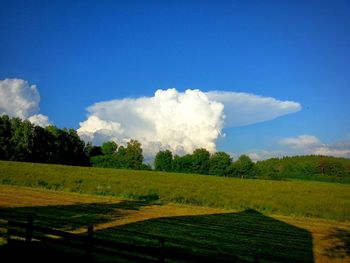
x=90, y=236
x=29, y=230
x=8, y=234
x=161, y=249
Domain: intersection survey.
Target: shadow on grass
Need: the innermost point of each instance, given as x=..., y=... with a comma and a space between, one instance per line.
x=244, y=235
x=70, y=217
x=38, y=252
x=240, y=235
x=340, y=244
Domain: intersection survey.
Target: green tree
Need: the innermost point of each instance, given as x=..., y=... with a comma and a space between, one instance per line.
x=21, y=140
x=331, y=167
x=68, y=147
x=42, y=146
x=183, y=164
x=76, y=149
x=6, y=146
x=92, y=151
x=243, y=167
x=163, y=161
x=105, y=161
x=218, y=163
x=133, y=155
x=121, y=153
x=109, y=148
x=200, y=161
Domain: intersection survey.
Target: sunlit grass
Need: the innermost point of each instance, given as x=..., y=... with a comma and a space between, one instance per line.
x=293, y=198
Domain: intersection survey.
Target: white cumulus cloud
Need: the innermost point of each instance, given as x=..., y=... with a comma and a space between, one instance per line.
x=170, y=119
x=19, y=99
x=179, y=121
x=40, y=120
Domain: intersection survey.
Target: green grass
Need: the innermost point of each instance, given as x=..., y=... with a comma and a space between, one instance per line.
x=292, y=198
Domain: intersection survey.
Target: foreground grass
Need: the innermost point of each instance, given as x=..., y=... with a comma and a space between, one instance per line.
x=198, y=229
x=291, y=198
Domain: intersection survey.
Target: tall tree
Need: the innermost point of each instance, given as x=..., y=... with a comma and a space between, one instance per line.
x=109, y=147
x=76, y=149
x=92, y=151
x=22, y=139
x=6, y=147
x=42, y=146
x=183, y=164
x=200, y=161
x=133, y=155
x=243, y=167
x=163, y=161
x=218, y=163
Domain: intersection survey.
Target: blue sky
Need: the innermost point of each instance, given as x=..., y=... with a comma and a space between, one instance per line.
x=79, y=53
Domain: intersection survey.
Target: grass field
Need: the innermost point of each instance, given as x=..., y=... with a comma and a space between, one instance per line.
x=198, y=229
x=290, y=198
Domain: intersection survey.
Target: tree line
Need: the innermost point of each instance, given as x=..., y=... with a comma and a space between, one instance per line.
x=314, y=167
x=21, y=140
x=111, y=155
x=202, y=162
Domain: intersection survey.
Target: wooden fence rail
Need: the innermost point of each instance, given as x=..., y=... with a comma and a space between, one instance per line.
x=91, y=245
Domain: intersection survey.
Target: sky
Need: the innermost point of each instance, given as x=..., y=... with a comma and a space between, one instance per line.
x=263, y=78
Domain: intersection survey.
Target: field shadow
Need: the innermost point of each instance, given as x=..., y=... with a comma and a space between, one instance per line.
x=37, y=252
x=244, y=235
x=247, y=235
x=71, y=217
x=340, y=248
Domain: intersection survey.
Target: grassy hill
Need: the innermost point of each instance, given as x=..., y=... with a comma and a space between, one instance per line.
x=296, y=198
x=306, y=167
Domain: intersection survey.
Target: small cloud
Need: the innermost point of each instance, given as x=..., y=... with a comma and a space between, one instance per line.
x=254, y=156
x=40, y=120
x=259, y=155
x=19, y=99
x=302, y=141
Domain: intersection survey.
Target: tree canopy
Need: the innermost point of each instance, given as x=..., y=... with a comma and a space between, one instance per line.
x=163, y=161
x=23, y=141
x=241, y=168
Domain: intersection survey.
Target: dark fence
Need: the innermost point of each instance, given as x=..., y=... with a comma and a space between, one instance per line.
x=93, y=246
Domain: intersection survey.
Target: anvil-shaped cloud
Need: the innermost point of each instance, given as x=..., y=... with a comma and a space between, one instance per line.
x=179, y=121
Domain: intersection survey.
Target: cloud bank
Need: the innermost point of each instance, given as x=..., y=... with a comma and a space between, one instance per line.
x=19, y=99
x=301, y=145
x=309, y=144
x=179, y=121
